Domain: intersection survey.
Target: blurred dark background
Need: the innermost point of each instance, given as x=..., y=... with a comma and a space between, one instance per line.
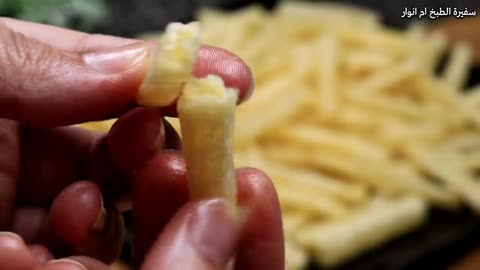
x=130, y=17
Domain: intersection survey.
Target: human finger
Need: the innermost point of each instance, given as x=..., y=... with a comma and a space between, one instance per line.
x=14, y=254
x=80, y=219
x=65, y=39
x=201, y=235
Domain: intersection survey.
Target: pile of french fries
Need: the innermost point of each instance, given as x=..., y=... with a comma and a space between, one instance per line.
x=349, y=118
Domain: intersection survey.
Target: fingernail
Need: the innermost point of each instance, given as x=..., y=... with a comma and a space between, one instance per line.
x=64, y=263
x=100, y=221
x=214, y=229
x=11, y=235
x=117, y=60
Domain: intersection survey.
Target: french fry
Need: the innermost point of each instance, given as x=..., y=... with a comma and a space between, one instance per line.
x=356, y=118
x=437, y=42
x=292, y=222
x=206, y=110
x=324, y=139
x=362, y=18
x=460, y=183
x=389, y=41
x=295, y=257
x=386, y=105
x=171, y=65
x=326, y=83
x=317, y=183
x=398, y=134
x=416, y=30
x=471, y=161
x=471, y=102
x=456, y=71
x=389, y=76
x=293, y=198
x=362, y=61
x=281, y=106
x=334, y=242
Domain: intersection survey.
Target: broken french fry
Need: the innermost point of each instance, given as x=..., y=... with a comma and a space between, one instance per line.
x=206, y=110
x=171, y=65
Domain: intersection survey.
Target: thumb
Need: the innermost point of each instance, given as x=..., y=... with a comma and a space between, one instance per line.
x=201, y=236
x=44, y=85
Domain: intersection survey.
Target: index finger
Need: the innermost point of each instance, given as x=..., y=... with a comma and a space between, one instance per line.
x=211, y=60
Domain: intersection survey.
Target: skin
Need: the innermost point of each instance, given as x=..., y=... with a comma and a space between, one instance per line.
x=62, y=189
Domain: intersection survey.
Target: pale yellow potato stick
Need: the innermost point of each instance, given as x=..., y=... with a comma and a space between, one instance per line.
x=211, y=21
x=462, y=142
x=384, y=40
x=416, y=30
x=244, y=22
x=321, y=206
x=295, y=257
x=356, y=117
x=360, y=17
x=390, y=105
x=387, y=177
x=206, y=110
x=434, y=90
x=321, y=138
x=317, y=182
x=339, y=164
x=292, y=222
x=171, y=65
x=405, y=181
x=436, y=194
x=334, y=242
x=388, y=77
x=471, y=161
x=269, y=68
x=398, y=133
x=460, y=183
x=301, y=60
x=361, y=61
x=471, y=102
x=458, y=66
x=326, y=60
x=306, y=181
x=437, y=41
x=289, y=101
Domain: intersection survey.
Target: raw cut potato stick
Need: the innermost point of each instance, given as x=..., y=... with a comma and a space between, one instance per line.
x=327, y=60
x=458, y=66
x=295, y=257
x=335, y=242
x=171, y=65
x=206, y=110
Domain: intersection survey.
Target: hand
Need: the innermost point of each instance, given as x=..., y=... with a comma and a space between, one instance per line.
x=62, y=188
